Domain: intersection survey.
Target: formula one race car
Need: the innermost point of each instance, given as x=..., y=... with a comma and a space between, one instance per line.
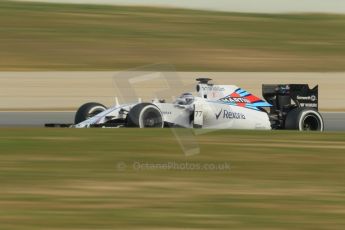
x=286, y=106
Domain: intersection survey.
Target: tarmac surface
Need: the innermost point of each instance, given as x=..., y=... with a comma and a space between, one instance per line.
x=334, y=121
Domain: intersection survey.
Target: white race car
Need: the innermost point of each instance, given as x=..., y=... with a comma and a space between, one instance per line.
x=286, y=106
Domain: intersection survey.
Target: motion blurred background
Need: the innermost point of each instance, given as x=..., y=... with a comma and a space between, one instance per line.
x=55, y=56
x=43, y=36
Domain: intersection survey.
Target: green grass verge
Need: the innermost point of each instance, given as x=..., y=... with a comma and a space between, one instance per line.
x=70, y=179
x=39, y=36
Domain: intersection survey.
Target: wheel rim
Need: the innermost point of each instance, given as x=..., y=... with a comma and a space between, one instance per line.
x=152, y=119
x=311, y=123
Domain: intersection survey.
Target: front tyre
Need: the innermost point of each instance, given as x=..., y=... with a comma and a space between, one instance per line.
x=145, y=115
x=87, y=111
x=304, y=119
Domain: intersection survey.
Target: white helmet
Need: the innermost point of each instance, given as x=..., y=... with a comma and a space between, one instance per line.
x=185, y=99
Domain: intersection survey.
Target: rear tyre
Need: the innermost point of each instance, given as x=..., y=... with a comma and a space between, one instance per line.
x=87, y=111
x=304, y=119
x=145, y=115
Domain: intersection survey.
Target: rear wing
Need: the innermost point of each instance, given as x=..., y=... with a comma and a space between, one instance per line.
x=281, y=95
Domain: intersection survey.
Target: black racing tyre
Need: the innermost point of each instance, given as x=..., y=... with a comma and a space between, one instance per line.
x=304, y=119
x=145, y=115
x=87, y=111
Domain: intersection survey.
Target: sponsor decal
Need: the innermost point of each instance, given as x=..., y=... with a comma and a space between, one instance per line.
x=212, y=88
x=166, y=112
x=244, y=99
x=313, y=105
x=225, y=114
x=235, y=99
x=311, y=98
x=218, y=88
x=218, y=114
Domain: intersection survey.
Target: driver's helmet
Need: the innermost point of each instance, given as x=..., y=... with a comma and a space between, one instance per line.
x=185, y=99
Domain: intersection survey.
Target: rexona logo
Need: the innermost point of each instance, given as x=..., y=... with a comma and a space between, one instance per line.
x=225, y=114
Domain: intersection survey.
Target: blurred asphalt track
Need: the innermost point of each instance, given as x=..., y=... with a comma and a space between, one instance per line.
x=334, y=121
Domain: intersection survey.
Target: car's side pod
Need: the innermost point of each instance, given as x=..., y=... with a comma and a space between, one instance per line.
x=294, y=106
